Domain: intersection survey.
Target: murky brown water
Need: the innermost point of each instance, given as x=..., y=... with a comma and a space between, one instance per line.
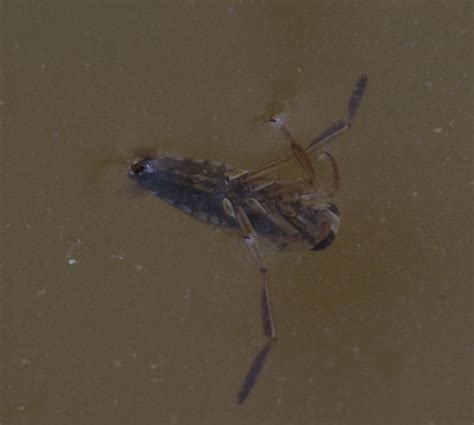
x=119, y=309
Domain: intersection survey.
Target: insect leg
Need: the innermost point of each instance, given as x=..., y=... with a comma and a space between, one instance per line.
x=298, y=152
x=336, y=178
x=341, y=126
x=334, y=130
x=357, y=94
x=251, y=241
x=274, y=216
x=252, y=375
x=336, y=182
x=314, y=198
x=268, y=168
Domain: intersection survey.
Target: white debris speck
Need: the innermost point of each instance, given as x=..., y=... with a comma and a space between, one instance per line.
x=414, y=194
x=41, y=292
x=74, y=244
x=188, y=294
x=24, y=361
x=438, y=130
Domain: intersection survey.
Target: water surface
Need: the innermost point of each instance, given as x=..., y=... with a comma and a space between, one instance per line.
x=118, y=309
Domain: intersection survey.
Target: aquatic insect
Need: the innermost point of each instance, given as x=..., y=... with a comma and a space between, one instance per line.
x=257, y=203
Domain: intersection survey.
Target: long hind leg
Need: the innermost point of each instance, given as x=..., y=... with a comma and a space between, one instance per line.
x=251, y=241
x=341, y=126
x=250, y=237
x=337, y=128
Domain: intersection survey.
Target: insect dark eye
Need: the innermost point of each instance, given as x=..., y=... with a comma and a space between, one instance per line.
x=334, y=208
x=137, y=168
x=325, y=242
